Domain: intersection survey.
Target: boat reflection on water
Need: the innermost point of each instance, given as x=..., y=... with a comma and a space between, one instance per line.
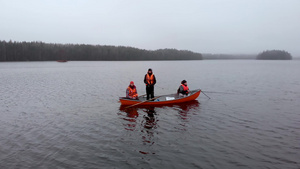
x=185, y=112
x=184, y=109
x=188, y=105
x=149, y=119
x=148, y=122
x=131, y=116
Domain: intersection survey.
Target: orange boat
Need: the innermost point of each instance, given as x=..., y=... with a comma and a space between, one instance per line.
x=161, y=100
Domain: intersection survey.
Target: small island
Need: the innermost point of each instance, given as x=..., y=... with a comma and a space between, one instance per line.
x=274, y=55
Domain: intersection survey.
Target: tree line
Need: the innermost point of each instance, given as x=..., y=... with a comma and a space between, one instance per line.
x=274, y=55
x=39, y=51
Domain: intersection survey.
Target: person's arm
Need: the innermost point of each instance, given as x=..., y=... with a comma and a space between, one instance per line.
x=127, y=93
x=154, y=80
x=145, y=79
x=137, y=95
x=180, y=89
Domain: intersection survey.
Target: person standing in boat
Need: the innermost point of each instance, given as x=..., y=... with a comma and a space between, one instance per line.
x=131, y=91
x=183, y=89
x=150, y=81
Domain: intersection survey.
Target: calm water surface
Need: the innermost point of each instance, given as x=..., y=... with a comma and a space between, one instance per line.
x=67, y=115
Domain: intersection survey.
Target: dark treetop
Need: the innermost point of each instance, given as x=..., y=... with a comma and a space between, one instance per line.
x=274, y=55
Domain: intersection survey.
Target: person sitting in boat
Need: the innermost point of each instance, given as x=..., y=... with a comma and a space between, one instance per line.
x=183, y=89
x=131, y=91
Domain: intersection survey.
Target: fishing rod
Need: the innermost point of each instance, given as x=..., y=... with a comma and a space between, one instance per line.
x=218, y=92
x=205, y=94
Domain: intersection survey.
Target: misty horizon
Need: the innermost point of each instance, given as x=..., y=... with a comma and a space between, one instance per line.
x=231, y=55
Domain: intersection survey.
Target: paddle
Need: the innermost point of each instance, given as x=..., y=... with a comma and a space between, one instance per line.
x=205, y=94
x=143, y=95
x=142, y=102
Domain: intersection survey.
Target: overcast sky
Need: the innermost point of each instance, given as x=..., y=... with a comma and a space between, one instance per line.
x=205, y=26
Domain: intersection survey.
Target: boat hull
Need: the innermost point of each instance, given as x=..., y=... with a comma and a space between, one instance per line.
x=193, y=96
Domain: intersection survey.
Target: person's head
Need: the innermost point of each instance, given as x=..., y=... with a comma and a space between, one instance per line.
x=131, y=84
x=184, y=82
x=149, y=70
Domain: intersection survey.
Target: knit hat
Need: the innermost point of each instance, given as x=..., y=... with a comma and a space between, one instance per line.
x=184, y=81
x=131, y=82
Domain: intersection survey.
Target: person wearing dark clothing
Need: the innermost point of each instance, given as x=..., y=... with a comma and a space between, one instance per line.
x=183, y=89
x=150, y=81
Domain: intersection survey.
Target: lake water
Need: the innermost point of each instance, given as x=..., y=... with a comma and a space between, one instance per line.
x=67, y=115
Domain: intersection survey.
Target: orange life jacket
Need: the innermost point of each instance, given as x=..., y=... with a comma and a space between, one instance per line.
x=185, y=89
x=132, y=92
x=150, y=79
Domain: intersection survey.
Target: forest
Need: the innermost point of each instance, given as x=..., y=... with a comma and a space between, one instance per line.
x=274, y=55
x=39, y=51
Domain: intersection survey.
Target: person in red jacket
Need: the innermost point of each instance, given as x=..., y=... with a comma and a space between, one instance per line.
x=183, y=89
x=150, y=81
x=131, y=91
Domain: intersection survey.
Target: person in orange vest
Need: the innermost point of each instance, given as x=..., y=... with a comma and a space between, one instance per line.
x=131, y=91
x=150, y=81
x=183, y=89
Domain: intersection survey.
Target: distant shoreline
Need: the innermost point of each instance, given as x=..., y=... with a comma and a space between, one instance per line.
x=40, y=51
